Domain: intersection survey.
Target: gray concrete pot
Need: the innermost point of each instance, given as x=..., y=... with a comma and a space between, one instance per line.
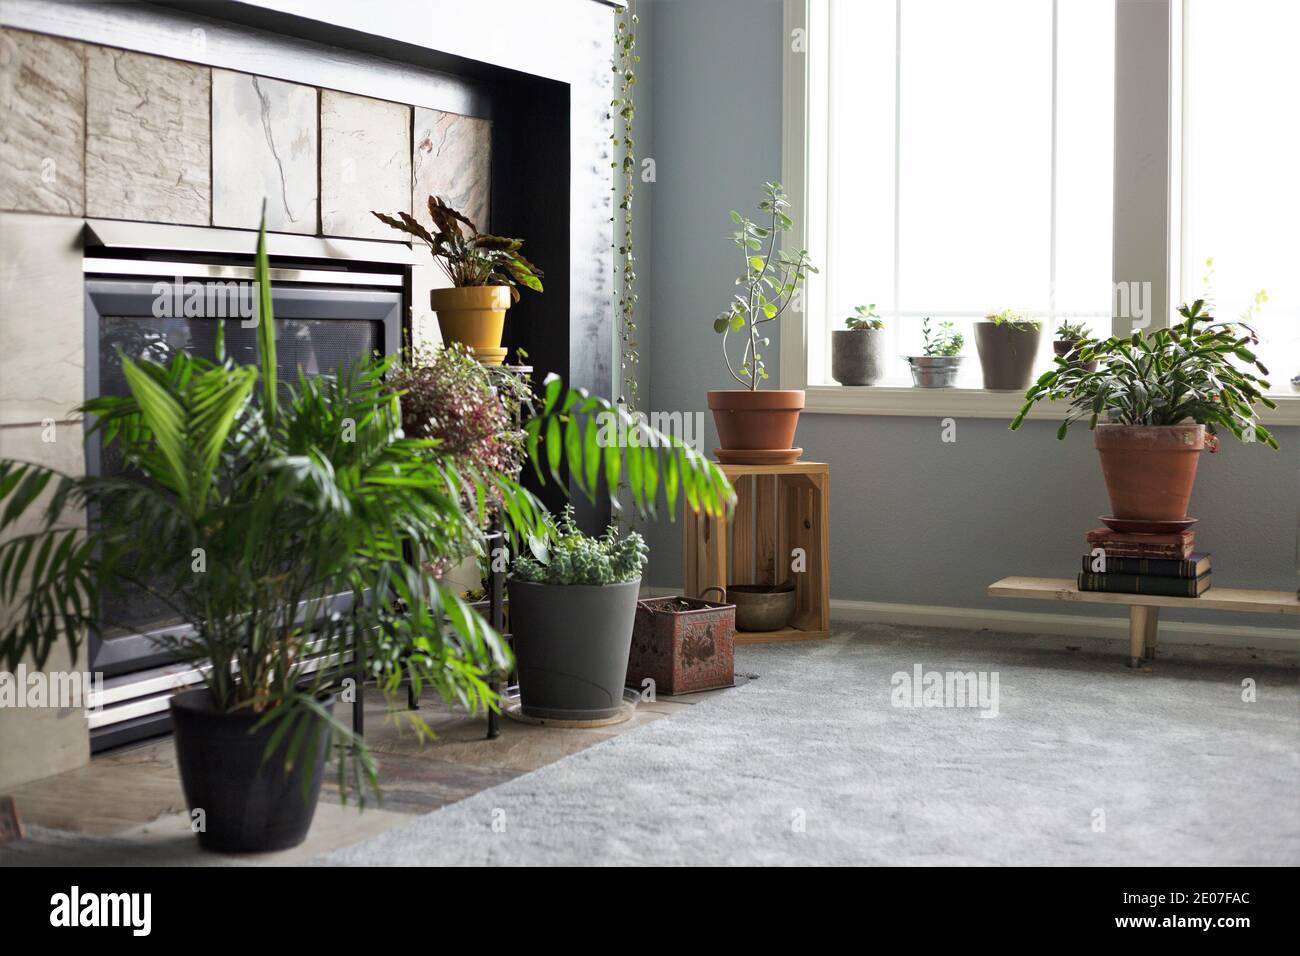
x=857, y=356
x=1007, y=355
x=571, y=647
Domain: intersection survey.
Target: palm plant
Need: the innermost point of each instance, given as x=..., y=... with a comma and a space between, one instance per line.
x=277, y=523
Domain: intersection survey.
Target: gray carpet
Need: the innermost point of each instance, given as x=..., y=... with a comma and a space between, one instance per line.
x=812, y=764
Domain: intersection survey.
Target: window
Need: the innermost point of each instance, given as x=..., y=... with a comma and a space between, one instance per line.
x=1240, y=182
x=959, y=163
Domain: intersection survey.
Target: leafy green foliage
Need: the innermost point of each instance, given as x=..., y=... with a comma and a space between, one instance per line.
x=1013, y=320
x=1071, y=331
x=573, y=431
x=567, y=556
x=278, y=526
x=623, y=106
x=771, y=279
x=864, y=317
x=1187, y=373
x=944, y=342
x=473, y=258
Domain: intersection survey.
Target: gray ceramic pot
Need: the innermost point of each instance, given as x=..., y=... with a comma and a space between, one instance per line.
x=857, y=356
x=934, y=371
x=1007, y=355
x=571, y=646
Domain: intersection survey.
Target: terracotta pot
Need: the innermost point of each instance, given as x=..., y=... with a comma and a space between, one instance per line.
x=1006, y=355
x=1149, y=469
x=1062, y=347
x=756, y=420
x=474, y=316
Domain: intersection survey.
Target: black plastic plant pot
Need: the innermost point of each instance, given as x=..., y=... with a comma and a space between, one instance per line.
x=249, y=805
x=571, y=646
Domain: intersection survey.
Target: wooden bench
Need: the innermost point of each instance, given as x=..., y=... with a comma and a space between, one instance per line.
x=1144, y=609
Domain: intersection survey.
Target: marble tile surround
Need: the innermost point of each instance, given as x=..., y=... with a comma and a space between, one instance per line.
x=365, y=164
x=452, y=159
x=42, y=361
x=148, y=143
x=42, y=124
x=264, y=145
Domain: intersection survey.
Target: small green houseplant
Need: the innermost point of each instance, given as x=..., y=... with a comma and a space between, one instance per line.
x=573, y=607
x=858, y=350
x=1068, y=336
x=1164, y=396
x=758, y=426
x=940, y=358
x=1007, y=343
x=486, y=273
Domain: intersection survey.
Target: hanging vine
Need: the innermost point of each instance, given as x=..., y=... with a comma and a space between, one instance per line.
x=622, y=113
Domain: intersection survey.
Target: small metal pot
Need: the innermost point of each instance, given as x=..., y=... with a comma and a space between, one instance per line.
x=762, y=607
x=934, y=371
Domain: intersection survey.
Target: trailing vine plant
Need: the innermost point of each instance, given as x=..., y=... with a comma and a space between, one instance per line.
x=623, y=112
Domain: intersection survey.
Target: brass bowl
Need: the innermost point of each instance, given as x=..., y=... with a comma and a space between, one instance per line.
x=762, y=607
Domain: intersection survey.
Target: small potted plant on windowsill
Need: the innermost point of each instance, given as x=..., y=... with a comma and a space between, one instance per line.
x=573, y=606
x=1068, y=337
x=758, y=426
x=1007, y=343
x=858, y=350
x=940, y=358
x=485, y=272
x=1161, y=393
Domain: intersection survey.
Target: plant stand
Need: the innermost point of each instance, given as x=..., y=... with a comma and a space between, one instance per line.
x=1144, y=609
x=780, y=530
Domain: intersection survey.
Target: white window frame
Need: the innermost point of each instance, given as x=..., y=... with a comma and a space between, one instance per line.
x=1147, y=206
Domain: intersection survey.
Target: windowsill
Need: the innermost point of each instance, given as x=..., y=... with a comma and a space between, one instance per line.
x=969, y=403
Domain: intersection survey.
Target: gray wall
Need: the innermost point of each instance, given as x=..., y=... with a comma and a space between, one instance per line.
x=913, y=520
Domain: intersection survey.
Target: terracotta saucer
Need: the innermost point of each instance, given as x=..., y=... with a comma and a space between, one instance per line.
x=1141, y=526
x=757, y=456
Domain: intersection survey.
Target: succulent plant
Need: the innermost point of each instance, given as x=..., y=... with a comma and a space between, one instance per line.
x=568, y=556
x=864, y=317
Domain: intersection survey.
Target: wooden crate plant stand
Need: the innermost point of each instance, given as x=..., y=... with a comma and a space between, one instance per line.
x=1144, y=609
x=778, y=508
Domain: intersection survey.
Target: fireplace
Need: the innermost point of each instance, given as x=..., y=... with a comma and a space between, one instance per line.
x=150, y=302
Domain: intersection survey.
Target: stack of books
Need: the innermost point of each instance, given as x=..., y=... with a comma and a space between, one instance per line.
x=1165, y=564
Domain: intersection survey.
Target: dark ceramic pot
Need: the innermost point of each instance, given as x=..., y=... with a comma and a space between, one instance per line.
x=249, y=804
x=571, y=646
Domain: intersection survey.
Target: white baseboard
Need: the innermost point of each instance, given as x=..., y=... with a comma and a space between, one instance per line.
x=1039, y=622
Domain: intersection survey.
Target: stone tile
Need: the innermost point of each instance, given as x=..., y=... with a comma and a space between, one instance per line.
x=38, y=741
x=168, y=840
x=148, y=143
x=101, y=798
x=42, y=124
x=420, y=784
x=42, y=318
x=452, y=159
x=365, y=164
x=264, y=146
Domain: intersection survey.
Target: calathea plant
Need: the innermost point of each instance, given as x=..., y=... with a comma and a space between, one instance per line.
x=467, y=256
